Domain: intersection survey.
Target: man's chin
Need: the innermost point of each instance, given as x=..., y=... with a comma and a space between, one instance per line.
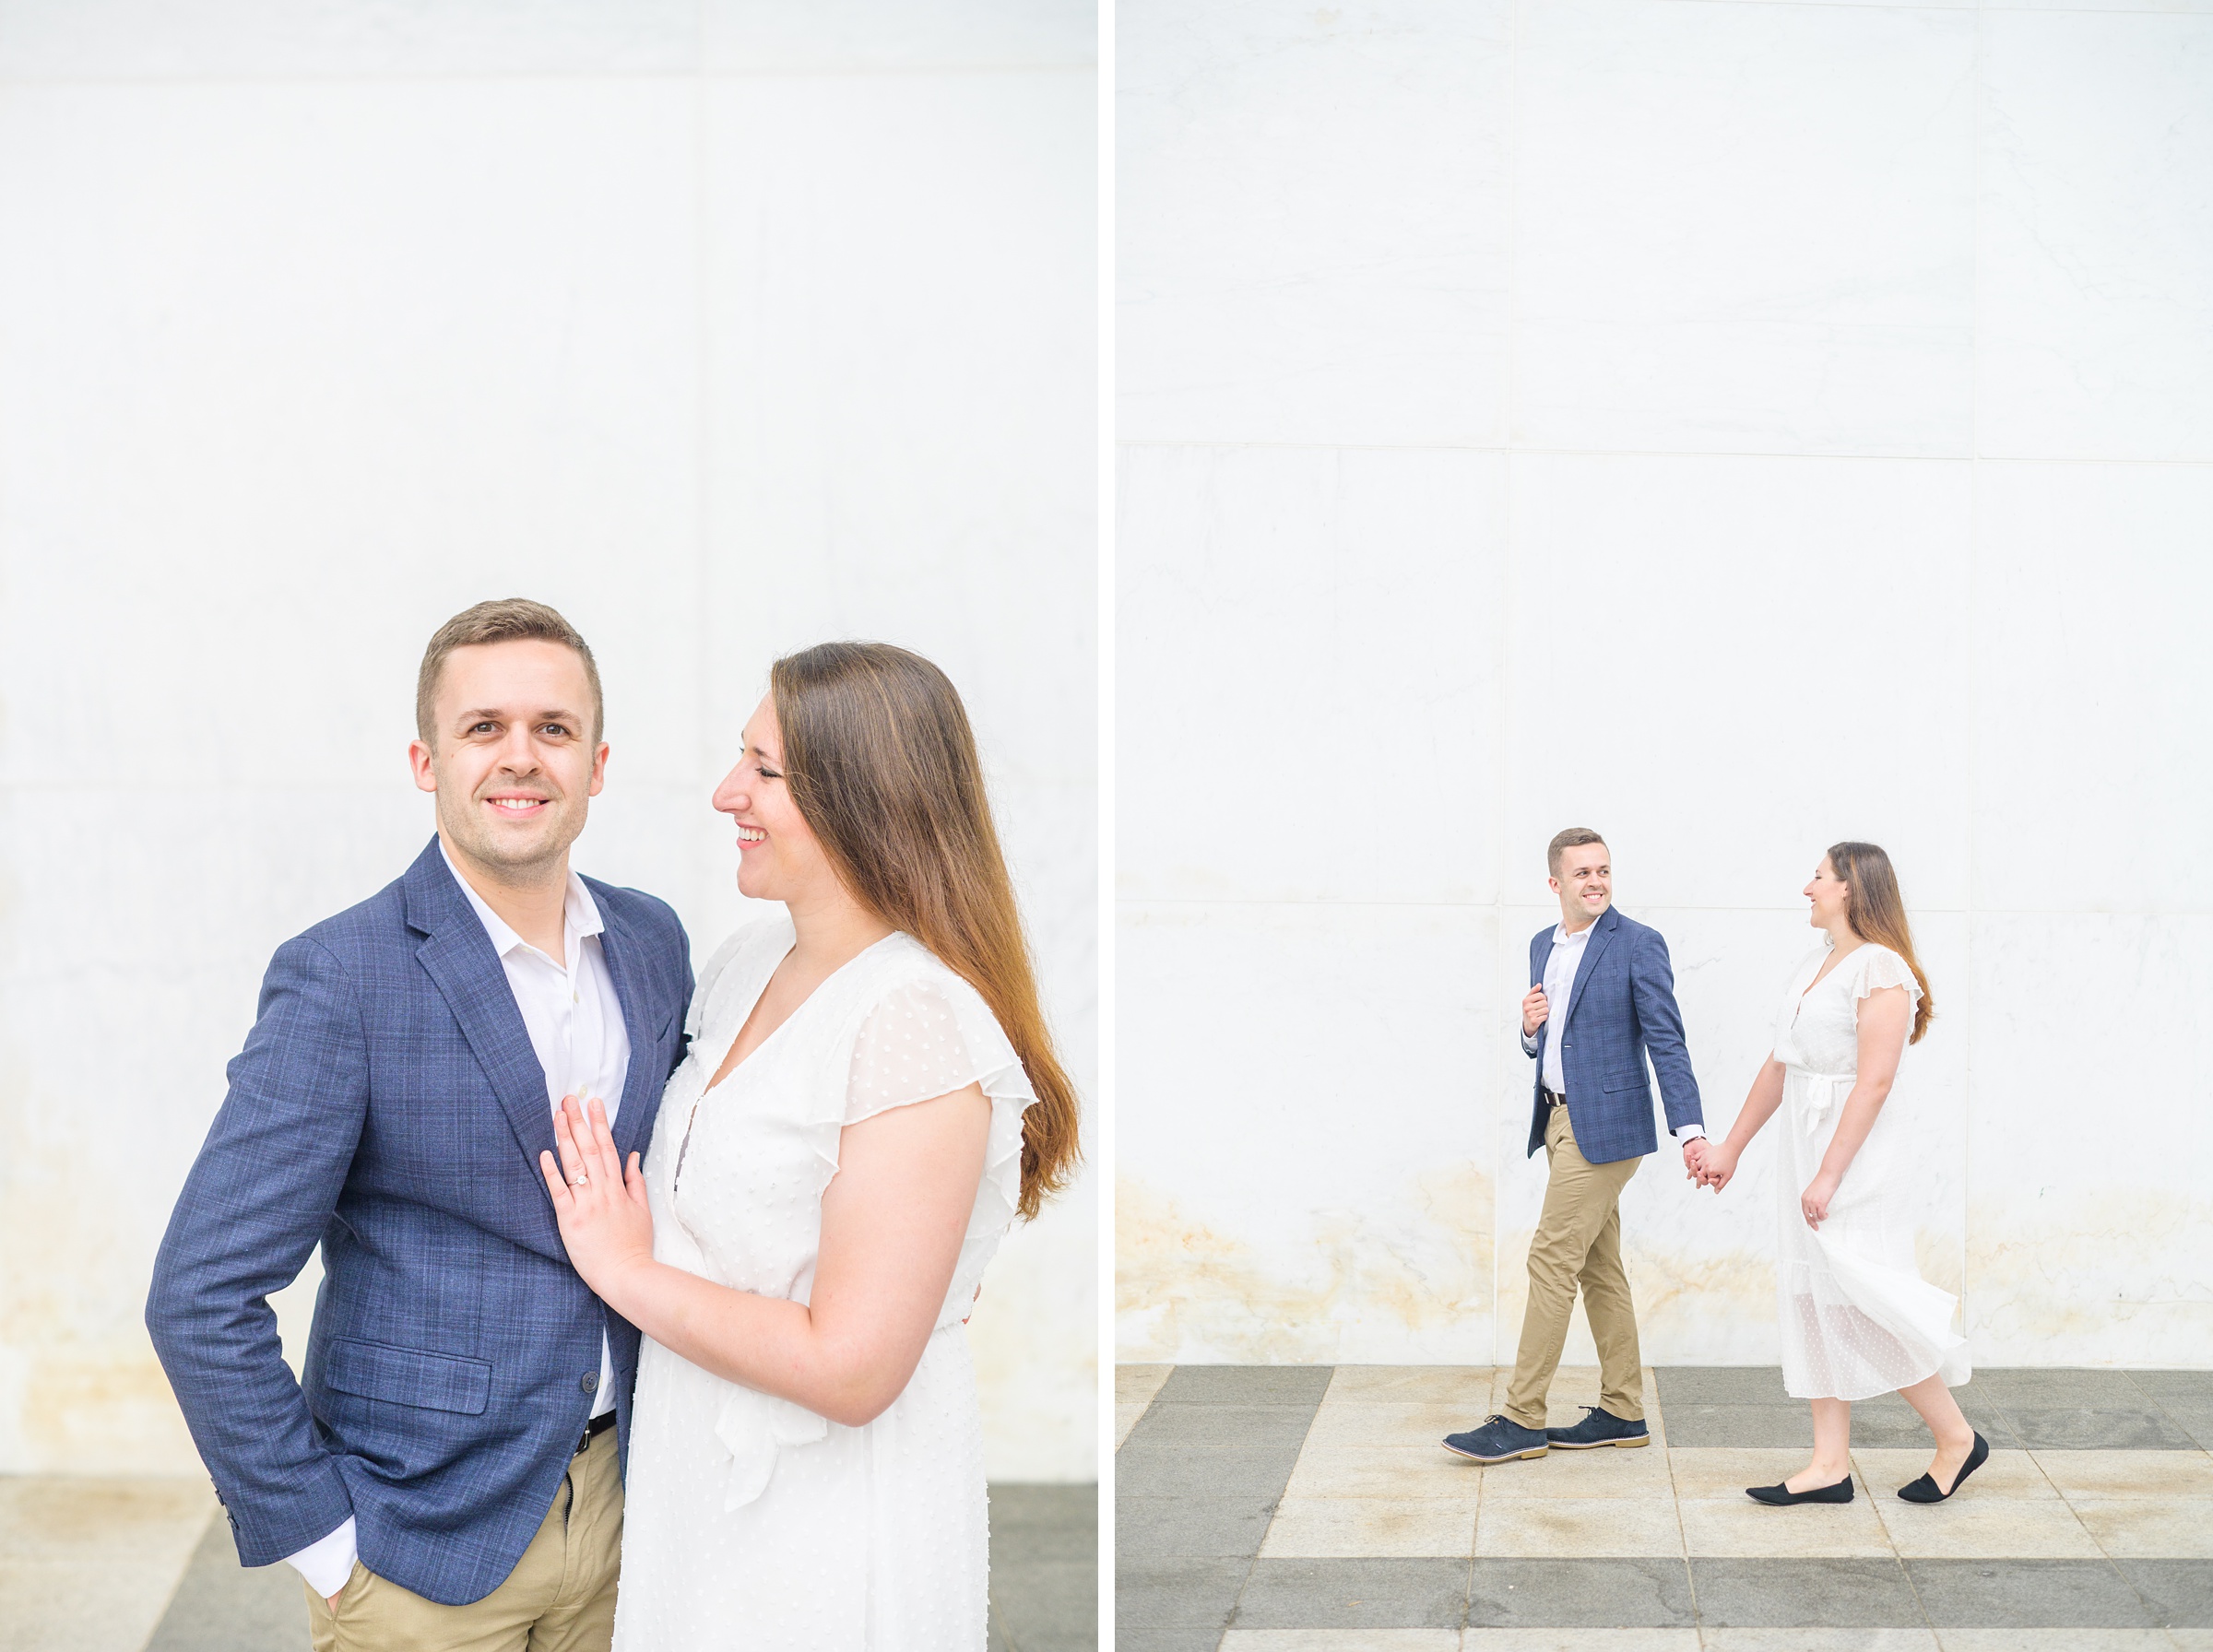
x=518, y=853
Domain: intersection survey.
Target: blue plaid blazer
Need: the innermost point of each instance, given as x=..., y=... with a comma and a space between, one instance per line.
x=1621, y=1006
x=388, y=1105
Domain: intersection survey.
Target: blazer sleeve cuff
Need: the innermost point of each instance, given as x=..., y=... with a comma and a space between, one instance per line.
x=277, y=1531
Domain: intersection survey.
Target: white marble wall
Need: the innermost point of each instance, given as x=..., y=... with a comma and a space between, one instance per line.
x=1734, y=426
x=722, y=326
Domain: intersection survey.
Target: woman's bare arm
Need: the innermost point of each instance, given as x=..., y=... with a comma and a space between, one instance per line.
x=1886, y=1016
x=893, y=1220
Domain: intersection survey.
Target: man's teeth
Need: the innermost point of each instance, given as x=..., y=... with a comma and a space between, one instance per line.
x=517, y=805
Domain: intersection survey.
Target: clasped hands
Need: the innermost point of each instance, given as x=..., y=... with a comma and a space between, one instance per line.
x=1708, y=1164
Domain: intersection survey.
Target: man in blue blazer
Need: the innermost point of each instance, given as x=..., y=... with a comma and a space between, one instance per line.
x=1602, y=997
x=447, y=1471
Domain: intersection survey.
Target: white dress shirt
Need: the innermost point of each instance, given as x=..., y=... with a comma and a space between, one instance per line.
x=575, y=1026
x=1560, y=966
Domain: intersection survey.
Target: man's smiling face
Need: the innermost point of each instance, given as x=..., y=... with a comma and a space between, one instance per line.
x=1585, y=884
x=516, y=755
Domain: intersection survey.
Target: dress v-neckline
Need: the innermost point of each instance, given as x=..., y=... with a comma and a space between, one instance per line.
x=1822, y=972
x=797, y=1010
x=676, y=1175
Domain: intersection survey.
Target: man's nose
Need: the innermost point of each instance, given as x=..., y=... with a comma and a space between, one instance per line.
x=517, y=755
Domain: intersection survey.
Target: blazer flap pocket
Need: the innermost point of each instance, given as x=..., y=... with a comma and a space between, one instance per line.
x=436, y=1382
x=1626, y=1081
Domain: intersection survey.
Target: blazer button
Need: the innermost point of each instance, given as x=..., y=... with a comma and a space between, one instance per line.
x=588, y=1381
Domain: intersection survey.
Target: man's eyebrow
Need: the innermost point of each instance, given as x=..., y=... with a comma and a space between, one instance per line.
x=493, y=713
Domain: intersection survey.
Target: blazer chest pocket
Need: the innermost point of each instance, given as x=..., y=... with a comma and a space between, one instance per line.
x=435, y=1382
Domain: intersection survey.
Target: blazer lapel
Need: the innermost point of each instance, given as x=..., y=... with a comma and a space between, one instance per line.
x=1601, y=933
x=458, y=957
x=625, y=964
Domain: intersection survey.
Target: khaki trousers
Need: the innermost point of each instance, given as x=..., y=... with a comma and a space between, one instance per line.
x=1577, y=1243
x=559, y=1598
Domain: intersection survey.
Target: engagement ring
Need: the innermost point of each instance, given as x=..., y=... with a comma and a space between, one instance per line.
x=579, y=1180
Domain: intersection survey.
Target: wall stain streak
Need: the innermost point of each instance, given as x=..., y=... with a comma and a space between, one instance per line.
x=2113, y=1275
x=1403, y=1278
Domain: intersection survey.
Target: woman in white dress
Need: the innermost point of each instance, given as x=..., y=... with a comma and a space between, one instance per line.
x=870, y=1099
x=1858, y=1319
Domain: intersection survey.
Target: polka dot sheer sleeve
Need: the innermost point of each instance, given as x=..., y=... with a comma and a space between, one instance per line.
x=1880, y=967
x=923, y=1040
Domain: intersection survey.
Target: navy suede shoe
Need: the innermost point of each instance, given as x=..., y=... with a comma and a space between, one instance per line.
x=1599, y=1428
x=1499, y=1440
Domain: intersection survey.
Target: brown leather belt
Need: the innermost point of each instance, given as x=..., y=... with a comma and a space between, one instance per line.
x=1554, y=1097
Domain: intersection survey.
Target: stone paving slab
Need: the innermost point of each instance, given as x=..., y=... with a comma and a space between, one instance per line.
x=1245, y=1385
x=1142, y=1469
x=222, y=1606
x=1198, y=1527
x=1640, y=1592
x=2045, y=1594
x=1177, y=1593
x=1355, y=1594
x=2106, y=1536
x=87, y=1564
x=1481, y=1638
x=2179, y=1592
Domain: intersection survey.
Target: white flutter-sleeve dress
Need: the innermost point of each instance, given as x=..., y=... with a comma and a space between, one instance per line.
x=752, y=1522
x=1858, y=1319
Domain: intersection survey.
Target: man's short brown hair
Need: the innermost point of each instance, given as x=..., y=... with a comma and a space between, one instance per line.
x=510, y=619
x=1575, y=837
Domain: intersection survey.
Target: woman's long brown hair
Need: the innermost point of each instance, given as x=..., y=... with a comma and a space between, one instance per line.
x=1876, y=911
x=882, y=765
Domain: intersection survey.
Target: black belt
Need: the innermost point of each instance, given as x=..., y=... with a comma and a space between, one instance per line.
x=597, y=1425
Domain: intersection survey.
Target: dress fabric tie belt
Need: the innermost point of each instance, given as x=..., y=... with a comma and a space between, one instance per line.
x=1822, y=1092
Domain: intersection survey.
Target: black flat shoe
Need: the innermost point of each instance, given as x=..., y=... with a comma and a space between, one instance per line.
x=1782, y=1495
x=1925, y=1489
